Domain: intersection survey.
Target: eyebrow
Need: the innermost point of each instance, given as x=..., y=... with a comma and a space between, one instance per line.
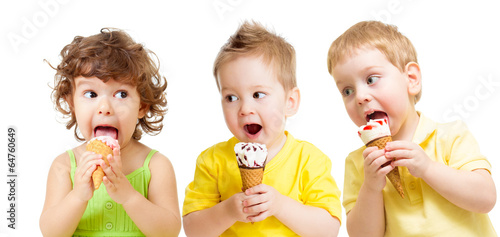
x=370, y=68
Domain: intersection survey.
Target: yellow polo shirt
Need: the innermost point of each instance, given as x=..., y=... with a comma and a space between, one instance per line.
x=300, y=171
x=424, y=212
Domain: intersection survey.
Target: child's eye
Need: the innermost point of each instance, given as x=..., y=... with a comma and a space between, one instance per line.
x=347, y=92
x=259, y=95
x=121, y=94
x=89, y=94
x=231, y=98
x=372, y=79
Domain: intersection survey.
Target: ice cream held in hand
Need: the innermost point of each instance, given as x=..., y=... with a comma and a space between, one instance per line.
x=250, y=155
x=377, y=133
x=251, y=159
x=103, y=145
x=375, y=128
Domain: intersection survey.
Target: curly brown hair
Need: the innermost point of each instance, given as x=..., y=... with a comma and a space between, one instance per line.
x=111, y=54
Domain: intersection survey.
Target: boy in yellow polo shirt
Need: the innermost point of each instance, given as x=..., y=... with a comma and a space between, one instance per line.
x=255, y=74
x=447, y=182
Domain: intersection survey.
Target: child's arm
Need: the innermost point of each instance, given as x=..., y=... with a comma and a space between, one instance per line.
x=302, y=219
x=64, y=204
x=471, y=190
x=367, y=217
x=215, y=220
x=158, y=215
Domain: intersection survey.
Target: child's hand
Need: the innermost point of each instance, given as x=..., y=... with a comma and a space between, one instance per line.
x=408, y=154
x=374, y=172
x=263, y=201
x=117, y=184
x=87, y=163
x=235, y=207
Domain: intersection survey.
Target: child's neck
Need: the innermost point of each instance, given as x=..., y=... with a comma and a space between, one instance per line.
x=274, y=149
x=408, y=129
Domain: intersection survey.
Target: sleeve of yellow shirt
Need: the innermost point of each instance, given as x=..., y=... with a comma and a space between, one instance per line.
x=353, y=178
x=320, y=189
x=202, y=193
x=461, y=148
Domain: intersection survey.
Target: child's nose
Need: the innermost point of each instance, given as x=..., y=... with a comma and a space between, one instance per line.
x=362, y=96
x=105, y=107
x=246, y=108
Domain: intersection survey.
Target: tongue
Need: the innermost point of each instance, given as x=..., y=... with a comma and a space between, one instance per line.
x=378, y=115
x=106, y=131
x=253, y=128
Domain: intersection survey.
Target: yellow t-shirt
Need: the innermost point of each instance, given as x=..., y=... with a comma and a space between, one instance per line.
x=300, y=171
x=424, y=212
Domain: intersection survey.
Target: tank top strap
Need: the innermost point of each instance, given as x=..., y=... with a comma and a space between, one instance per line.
x=72, y=161
x=71, y=158
x=148, y=158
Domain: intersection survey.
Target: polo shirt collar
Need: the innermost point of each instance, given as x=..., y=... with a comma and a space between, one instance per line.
x=425, y=128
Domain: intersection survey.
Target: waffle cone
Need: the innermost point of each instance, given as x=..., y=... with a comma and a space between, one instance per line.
x=251, y=176
x=99, y=147
x=394, y=174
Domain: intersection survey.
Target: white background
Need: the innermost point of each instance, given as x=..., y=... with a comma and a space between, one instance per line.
x=457, y=45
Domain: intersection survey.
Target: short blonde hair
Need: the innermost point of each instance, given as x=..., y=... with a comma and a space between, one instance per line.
x=253, y=39
x=395, y=46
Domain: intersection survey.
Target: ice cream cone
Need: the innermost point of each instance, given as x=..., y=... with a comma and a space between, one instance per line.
x=99, y=147
x=251, y=176
x=394, y=174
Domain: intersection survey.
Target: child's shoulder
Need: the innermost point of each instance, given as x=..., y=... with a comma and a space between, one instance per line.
x=305, y=148
x=62, y=163
x=62, y=160
x=159, y=161
x=304, y=145
x=451, y=130
x=224, y=147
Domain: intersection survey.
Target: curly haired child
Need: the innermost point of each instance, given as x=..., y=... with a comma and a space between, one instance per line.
x=107, y=84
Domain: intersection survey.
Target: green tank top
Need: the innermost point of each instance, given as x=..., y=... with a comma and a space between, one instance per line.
x=105, y=217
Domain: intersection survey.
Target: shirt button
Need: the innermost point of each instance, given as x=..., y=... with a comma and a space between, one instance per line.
x=109, y=205
x=109, y=225
x=413, y=185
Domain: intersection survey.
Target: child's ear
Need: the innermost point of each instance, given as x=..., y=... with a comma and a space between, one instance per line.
x=292, y=102
x=143, y=110
x=414, y=76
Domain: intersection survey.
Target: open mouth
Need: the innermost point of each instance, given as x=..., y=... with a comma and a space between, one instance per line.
x=252, y=128
x=106, y=131
x=376, y=115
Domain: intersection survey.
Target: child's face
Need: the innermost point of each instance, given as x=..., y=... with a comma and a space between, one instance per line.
x=254, y=102
x=372, y=87
x=110, y=108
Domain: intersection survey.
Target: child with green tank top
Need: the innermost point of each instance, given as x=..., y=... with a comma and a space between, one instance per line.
x=107, y=84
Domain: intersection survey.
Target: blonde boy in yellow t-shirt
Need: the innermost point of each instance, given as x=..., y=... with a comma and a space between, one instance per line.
x=447, y=182
x=255, y=74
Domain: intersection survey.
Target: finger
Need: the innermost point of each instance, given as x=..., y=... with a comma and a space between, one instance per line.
x=109, y=185
x=255, y=200
x=397, y=145
x=117, y=157
x=260, y=217
x=261, y=188
x=86, y=167
x=400, y=154
x=383, y=171
x=257, y=208
x=369, y=150
x=401, y=162
x=86, y=157
x=89, y=171
x=374, y=156
x=108, y=169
